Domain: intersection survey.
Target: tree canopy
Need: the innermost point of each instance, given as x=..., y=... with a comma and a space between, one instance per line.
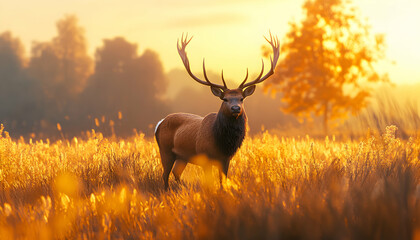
x=327, y=61
x=60, y=88
x=19, y=106
x=62, y=66
x=128, y=83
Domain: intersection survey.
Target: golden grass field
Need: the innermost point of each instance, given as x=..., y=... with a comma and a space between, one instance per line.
x=278, y=188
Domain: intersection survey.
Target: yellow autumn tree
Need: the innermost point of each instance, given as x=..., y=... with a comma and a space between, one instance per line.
x=327, y=61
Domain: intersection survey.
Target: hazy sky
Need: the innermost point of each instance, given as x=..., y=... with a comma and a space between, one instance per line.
x=228, y=33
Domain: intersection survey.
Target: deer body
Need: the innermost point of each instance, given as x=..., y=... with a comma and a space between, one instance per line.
x=181, y=136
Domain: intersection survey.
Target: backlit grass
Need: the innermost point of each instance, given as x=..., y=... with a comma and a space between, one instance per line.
x=278, y=188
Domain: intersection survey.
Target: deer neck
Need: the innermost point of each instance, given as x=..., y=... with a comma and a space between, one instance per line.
x=229, y=133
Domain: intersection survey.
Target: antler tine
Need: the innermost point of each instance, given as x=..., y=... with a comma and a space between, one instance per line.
x=205, y=73
x=181, y=51
x=246, y=78
x=223, y=79
x=259, y=76
x=275, y=43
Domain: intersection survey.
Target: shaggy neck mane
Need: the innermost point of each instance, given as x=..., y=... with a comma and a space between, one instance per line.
x=229, y=133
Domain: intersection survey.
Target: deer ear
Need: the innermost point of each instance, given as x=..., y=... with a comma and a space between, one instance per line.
x=217, y=92
x=248, y=91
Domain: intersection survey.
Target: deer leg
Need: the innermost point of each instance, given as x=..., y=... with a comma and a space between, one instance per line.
x=223, y=171
x=168, y=159
x=178, y=169
x=221, y=178
x=226, y=167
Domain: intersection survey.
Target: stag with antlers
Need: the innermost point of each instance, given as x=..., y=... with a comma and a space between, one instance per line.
x=218, y=136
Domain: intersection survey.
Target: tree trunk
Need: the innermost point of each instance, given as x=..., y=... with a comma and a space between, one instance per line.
x=326, y=109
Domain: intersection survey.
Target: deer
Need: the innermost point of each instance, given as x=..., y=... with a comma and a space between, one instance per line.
x=217, y=136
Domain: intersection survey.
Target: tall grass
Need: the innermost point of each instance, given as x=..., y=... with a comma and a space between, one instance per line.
x=386, y=109
x=278, y=188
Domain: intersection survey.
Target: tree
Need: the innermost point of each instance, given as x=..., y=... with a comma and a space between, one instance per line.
x=11, y=72
x=62, y=66
x=128, y=83
x=17, y=92
x=327, y=62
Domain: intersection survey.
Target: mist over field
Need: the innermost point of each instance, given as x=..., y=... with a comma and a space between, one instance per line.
x=116, y=93
x=121, y=90
x=330, y=148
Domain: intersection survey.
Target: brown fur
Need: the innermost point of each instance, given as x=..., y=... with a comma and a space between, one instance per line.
x=181, y=136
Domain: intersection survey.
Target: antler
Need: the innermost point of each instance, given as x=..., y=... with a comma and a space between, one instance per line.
x=181, y=50
x=274, y=42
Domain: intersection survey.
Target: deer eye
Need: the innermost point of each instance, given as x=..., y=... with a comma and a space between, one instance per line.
x=225, y=100
x=242, y=99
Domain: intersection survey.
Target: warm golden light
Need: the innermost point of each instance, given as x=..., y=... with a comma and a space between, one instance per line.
x=84, y=83
x=113, y=188
x=227, y=33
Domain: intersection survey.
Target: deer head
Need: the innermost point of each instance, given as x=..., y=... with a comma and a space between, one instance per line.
x=232, y=98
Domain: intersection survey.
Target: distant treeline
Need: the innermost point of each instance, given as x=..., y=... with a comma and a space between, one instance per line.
x=60, y=91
